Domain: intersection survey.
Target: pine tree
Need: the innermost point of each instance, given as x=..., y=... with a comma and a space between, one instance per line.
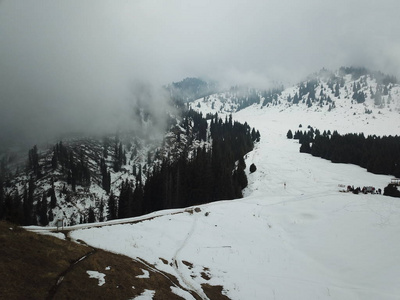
x=28, y=202
x=54, y=160
x=53, y=199
x=112, y=207
x=337, y=90
x=42, y=211
x=91, y=217
x=33, y=162
x=101, y=210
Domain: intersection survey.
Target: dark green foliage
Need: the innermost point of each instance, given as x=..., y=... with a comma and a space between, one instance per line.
x=359, y=96
x=289, y=134
x=356, y=72
x=13, y=210
x=379, y=155
x=53, y=198
x=105, y=176
x=33, y=162
x=194, y=121
x=74, y=166
x=130, y=202
x=255, y=135
x=240, y=175
x=91, y=217
x=41, y=210
x=251, y=97
x=190, y=89
x=253, y=168
x=54, y=161
x=112, y=207
x=101, y=211
x=337, y=90
x=119, y=156
x=207, y=175
x=296, y=99
x=28, y=203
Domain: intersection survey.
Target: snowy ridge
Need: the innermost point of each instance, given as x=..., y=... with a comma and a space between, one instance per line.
x=305, y=241
x=138, y=157
x=323, y=93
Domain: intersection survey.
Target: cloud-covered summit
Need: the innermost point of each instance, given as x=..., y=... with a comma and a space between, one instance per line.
x=68, y=65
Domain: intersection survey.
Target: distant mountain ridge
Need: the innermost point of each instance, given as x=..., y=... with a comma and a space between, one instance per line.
x=355, y=89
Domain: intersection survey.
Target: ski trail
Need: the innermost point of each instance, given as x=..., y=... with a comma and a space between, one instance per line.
x=177, y=264
x=151, y=268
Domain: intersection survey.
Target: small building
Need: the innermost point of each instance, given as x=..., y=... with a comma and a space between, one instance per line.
x=60, y=224
x=395, y=181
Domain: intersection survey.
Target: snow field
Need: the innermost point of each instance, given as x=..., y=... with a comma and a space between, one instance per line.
x=305, y=241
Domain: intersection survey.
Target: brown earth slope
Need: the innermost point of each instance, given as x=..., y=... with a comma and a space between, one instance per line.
x=34, y=266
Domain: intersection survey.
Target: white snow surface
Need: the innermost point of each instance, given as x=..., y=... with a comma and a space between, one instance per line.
x=146, y=295
x=97, y=275
x=146, y=274
x=305, y=241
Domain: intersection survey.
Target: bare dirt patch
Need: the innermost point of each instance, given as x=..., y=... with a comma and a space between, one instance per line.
x=214, y=292
x=188, y=264
x=30, y=263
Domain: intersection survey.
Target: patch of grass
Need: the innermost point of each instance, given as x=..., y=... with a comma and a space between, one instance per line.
x=30, y=266
x=214, y=291
x=188, y=264
x=30, y=263
x=120, y=280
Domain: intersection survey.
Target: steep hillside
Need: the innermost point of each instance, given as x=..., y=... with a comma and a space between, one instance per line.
x=190, y=89
x=294, y=235
x=90, y=179
x=35, y=266
x=349, y=93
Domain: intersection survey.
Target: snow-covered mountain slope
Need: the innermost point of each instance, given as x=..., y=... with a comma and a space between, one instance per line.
x=294, y=235
x=101, y=165
x=367, y=100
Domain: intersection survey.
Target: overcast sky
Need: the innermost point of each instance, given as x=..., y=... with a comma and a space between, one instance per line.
x=65, y=65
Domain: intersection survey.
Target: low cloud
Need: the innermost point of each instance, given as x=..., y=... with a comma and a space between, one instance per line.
x=73, y=66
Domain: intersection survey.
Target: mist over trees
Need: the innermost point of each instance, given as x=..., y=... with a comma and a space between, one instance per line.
x=182, y=176
x=191, y=88
x=208, y=175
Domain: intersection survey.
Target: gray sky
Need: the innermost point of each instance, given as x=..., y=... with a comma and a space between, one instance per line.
x=66, y=65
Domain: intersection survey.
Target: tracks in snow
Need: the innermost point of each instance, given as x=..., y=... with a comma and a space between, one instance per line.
x=177, y=264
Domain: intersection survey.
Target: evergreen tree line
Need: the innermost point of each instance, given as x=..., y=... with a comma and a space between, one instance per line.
x=197, y=176
x=306, y=93
x=206, y=175
x=379, y=155
x=76, y=169
x=20, y=209
x=254, y=97
x=357, y=72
